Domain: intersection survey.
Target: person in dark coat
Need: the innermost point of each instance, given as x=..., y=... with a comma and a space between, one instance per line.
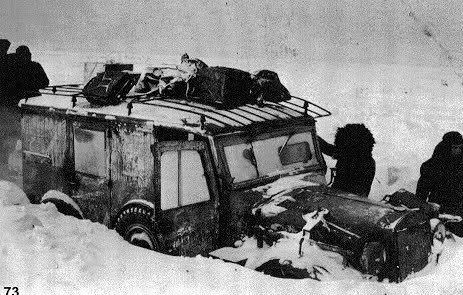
x=4, y=65
x=20, y=77
x=4, y=46
x=31, y=75
x=355, y=166
x=441, y=179
x=8, y=119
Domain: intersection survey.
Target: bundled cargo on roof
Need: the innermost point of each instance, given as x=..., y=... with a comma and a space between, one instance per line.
x=222, y=87
x=267, y=87
x=192, y=79
x=111, y=86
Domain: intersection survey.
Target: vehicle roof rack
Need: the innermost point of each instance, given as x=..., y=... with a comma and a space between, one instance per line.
x=234, y=117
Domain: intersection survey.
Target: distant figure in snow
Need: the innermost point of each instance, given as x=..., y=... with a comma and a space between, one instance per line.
x=21, y=77
x=441, y=179
x=5, y=68
x=32, y=76
x=355, y=166
x=9, y=119
x=4, y=46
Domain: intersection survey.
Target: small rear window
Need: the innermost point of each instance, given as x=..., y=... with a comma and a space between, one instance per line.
x=89, y=151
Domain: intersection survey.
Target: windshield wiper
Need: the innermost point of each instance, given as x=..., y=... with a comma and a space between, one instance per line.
x=249, y=155
x=285, y=144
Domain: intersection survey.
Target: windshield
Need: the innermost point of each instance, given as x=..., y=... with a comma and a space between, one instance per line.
x=270, y=156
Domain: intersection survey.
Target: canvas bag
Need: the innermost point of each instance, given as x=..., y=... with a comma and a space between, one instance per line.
x=267, y=87
x=109, y=87
x=222, y=87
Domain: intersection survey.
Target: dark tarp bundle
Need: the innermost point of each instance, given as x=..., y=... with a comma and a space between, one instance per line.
x=109, y=87
x=222, y=87
x=267, y=87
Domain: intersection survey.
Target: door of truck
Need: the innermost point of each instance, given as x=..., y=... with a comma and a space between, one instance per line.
x=91, y=180
x=187, y=203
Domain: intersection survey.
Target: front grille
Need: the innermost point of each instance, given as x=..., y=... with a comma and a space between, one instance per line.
x=413, y=249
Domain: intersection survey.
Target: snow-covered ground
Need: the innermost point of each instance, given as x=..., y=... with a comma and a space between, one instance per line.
x=407, y=108
x=45, y=252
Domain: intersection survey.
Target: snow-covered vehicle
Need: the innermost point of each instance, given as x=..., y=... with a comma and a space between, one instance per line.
x=376, y=238
x=185, y=178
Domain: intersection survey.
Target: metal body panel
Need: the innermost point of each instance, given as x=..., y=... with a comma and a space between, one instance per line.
x=132, y=169
x=45, y=146
x=352, y=223
x=190, y=230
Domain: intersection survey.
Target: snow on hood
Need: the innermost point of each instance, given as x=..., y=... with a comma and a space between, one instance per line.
x=270, y=209
x=286, y=184
x=275, y=193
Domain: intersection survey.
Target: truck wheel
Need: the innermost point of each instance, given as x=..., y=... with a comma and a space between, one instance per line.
x=373, y=258
x=63, y=203
x=64, y=207
x=134, y=224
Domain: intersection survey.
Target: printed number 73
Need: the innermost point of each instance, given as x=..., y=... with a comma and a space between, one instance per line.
x=14, y=290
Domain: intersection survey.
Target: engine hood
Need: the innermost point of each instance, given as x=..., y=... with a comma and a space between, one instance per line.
x=283, y=203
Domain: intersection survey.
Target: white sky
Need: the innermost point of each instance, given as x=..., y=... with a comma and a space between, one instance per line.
x=371, y=31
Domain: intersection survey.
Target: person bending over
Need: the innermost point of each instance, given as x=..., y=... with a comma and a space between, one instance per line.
x=441, y=179
x=355, y=166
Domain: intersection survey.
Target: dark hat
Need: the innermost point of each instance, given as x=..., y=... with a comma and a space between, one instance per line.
x=23, y=50
x=453, y=137
x=4, y=44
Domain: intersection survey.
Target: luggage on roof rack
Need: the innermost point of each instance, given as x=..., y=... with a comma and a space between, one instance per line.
x=228, y=87
x=192, y=81
x=111, y=86
x=267, y=87
x=221, y=87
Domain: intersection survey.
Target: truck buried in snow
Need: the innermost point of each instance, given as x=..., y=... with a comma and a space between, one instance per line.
x=186, y=178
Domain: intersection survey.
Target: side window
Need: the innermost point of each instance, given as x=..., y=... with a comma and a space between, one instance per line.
x=240, y=161
x=89, y=151
x=169, y=180
x=183, y=179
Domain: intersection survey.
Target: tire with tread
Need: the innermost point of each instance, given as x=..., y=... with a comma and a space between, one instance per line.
x=135, y=225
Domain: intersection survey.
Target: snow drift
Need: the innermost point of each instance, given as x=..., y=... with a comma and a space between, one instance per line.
x=45, y=252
